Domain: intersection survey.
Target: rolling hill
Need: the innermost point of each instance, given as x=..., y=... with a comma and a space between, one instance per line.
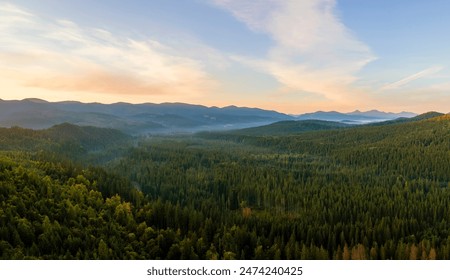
x=290, y=128
x=66, y=140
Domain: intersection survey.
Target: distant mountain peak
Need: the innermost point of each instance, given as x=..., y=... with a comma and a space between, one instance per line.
x=231, y=107
x=35, y=100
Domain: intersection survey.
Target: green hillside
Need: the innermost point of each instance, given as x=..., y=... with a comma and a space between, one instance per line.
x=88, y=137
x=425, y=116
x=363, y=192
x=290, y=128
x=66, y=141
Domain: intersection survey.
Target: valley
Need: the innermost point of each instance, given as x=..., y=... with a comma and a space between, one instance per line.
x=288, y=190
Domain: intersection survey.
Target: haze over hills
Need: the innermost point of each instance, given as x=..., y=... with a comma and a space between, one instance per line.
x=356, y=117
x=290, y=128
x=148, y=118
x=132, y=118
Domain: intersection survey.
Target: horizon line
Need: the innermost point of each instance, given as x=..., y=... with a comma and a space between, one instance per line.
x=40, y=100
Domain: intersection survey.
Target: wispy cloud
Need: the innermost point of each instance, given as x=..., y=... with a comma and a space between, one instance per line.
x=62, y=55
x=313, y=50
x=419, y=75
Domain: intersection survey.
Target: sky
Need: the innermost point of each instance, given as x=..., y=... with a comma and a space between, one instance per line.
x=292, y=56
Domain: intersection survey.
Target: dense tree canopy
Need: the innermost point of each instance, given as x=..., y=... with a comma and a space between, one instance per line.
x=369, y=192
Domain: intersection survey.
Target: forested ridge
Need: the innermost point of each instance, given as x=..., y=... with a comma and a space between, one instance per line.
x=289, y=128
x=364, y=192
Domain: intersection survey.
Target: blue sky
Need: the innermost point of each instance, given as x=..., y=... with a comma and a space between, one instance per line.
x=292, y=56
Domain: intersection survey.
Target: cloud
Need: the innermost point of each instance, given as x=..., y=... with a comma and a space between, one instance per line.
x=419, y=75
x=14, y=14
x=313, y=51
x=252, y=13
x=108, y=82
x=64, y=56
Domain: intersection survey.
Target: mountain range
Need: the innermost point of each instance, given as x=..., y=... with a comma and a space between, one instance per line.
x=149, y=118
